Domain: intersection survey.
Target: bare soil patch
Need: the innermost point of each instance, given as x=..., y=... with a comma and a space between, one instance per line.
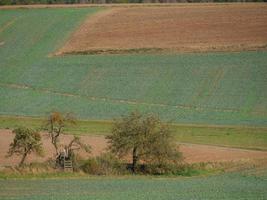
x=193, y=153
x=207, y=27
x=97, y=143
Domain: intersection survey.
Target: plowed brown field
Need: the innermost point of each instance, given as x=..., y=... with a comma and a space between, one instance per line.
x=193, y=153
x=230, y=27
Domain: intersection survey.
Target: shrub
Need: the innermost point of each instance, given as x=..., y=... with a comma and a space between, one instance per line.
x=91, y=166
x=105, y=164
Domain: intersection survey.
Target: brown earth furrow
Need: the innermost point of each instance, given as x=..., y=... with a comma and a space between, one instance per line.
x=201, y=28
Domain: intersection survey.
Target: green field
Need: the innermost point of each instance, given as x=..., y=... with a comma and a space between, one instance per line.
x=250, y=185
x=208, y=98
x=214, y=88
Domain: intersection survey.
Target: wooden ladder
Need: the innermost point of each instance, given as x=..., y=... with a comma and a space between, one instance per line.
x=68, y=165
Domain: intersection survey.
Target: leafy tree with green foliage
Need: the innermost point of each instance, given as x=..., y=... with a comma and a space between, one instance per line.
x=145, y=138
x=25, y=142
x=55, y=125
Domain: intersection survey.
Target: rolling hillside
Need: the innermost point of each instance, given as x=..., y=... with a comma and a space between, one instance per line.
x=204, y=88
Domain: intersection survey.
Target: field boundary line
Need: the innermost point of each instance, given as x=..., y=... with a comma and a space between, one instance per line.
x=224, y=147
x=219, y=73
x=129, y=5
x=89, y=20
x=8, y=24
x=39, y=117
x=157, y=50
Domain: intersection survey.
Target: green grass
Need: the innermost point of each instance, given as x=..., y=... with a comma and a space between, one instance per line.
x=81, y=127
x=250, y=185
x=214, y=88
x=239, y=137
x=41, y=175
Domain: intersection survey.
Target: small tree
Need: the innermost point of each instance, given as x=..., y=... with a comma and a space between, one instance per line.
x=145, y=138
x=76, y=144
x=25, y=142
x=69, y=151
x=55, y=125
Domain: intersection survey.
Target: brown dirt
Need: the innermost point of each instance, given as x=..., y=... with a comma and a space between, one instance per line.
x=207, y=27
x=97, y=143
x=193, y=153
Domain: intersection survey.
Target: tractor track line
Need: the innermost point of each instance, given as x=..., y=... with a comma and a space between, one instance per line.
x=8, y=24
x=122, y=101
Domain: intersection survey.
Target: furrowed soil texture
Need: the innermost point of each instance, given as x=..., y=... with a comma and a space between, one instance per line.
x=231, y=186
x=162, y=29
x=202, y=88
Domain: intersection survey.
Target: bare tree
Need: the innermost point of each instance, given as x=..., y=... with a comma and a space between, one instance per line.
x=55, y=125
x=76, y=144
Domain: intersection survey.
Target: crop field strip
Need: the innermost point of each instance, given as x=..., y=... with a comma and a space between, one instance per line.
x=175, y=29
x=93, y=98
x=217, y=88
x=122, y=100
x=231, y=186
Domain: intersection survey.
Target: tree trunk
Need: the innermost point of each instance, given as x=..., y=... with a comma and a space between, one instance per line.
x=54, y=142
x=135, y=159
x=23, y=158
x=53, y=135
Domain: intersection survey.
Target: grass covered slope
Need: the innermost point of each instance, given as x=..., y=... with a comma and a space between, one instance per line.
x=216, y=88
x=250, y=185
